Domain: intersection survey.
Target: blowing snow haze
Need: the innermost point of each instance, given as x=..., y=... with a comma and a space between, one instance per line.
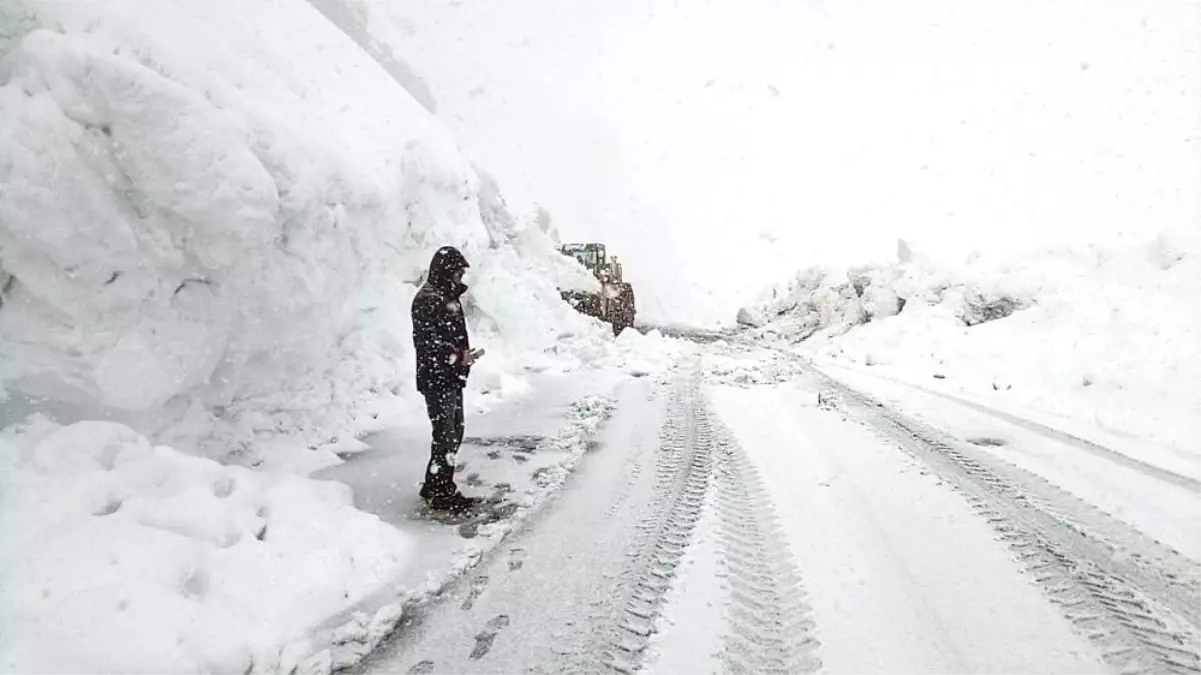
x=246, y=428
x=722, y=145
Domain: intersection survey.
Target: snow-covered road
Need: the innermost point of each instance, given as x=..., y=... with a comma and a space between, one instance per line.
x=750, y=514
x=901, y=575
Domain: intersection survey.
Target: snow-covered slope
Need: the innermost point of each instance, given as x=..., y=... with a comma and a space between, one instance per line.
x=1098, y=340
x=213, y=217
x=219, y=224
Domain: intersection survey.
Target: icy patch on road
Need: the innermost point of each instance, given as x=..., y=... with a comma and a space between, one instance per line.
x=345, y=640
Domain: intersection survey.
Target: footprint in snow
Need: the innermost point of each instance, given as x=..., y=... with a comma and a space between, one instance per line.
x=422, y=668
x=478, y=585
x=485, y=638
x=516, y=559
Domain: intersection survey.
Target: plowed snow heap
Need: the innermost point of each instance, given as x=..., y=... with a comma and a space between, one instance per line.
x=214, y=227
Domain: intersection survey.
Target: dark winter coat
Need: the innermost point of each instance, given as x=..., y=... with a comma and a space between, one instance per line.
x=439, y=329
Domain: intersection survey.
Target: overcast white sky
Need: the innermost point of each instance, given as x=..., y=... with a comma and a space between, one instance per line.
x=721, y=145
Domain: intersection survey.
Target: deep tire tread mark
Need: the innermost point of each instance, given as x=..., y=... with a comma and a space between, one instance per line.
x=1068, y=548
x=770, y=625
x=682, y=476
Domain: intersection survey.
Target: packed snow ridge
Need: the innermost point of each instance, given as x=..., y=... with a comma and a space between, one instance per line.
x=210, y=234
x=824, y=299
x=1099, y=338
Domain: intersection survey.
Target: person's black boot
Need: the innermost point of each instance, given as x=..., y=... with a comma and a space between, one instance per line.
x=438, y=484
x=456, y=503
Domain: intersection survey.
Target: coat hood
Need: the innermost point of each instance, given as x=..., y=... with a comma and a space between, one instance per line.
x=446, y=261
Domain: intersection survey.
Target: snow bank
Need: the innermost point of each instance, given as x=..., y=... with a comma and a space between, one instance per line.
x=252, y=204
x=213, y=219
x=121, y=556
x=1100, y=336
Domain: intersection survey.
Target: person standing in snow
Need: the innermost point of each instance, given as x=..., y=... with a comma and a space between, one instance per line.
x=444, y=359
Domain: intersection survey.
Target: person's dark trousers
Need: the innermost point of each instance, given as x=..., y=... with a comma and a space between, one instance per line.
x=445, y=408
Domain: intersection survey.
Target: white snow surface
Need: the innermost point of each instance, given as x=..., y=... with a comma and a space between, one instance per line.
x=122, y=556
x=1149, y=486
x=213, y=218
x=902, y=576
x=1102, y=341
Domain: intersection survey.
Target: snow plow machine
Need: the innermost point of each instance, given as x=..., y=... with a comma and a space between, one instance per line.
x=615, y=303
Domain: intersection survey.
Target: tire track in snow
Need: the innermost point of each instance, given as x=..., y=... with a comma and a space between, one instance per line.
x=583, y=588
x=632, y=466
x=768, y=624
x=1145, y=468
x=1136, y=600
x=770, y=630
x=682, y=475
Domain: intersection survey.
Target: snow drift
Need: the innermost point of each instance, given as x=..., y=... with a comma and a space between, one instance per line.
x=127, y=557
x=213, y=218
x=1100, y=337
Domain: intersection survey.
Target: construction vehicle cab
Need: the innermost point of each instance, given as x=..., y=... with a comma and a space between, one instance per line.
x=615, y=303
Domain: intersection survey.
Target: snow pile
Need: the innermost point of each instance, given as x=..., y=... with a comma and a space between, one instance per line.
x=834, y=300
x=211, y=231
x=1099, y=336
x=252, y=205
x=121, y=556
x=651, y=353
